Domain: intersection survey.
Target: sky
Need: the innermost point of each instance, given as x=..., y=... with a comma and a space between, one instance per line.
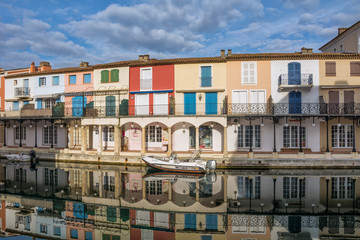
x=66, y=32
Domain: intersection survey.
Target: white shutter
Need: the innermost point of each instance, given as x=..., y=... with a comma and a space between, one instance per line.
x=239, y=100
x=146, y=79
x=143, y=218
x=161, y=219
x=257, y=99
x=160, y=104
x=147, y=234
x=142, y=104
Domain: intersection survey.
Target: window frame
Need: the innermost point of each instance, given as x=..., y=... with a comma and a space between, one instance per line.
x=290, y=140
x=348, y=138
x=326, y=72
x=200, y=76
x=42, y=81
x=356, y=74
x=347, y=187
x=142, y=79
x=86, y=74
x=243, y=77
x=294, y=188
x=70, y=79
x=243, y=130
x=58, y=80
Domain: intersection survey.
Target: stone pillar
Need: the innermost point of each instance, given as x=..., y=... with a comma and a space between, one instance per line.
x=72, y=178
x=83, y=182
x=143, y=189
x=116, y=140
x=117, y=184
x=83, y=139
x=143, y=142
x=225, y=180
x=197, y=194
x=196, y=138
x=170, y=190
x=100, y=139
x=225, y=151
x=101, y=184
x=120, y=142
x=90, y=183
x=169, y=151
x=71, y=137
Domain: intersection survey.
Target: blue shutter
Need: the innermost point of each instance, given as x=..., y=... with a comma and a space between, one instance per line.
x=73, y=79
x=16, y=106
x=206, y=76
x=294, y=73
x=26, y=102
x=74, y=233
x=57, y=231
x=295, y=102
x=56, y=80
x=210, y=103
x=58, y=100
x=78, y=104
x=189, y=103
x=88, y=235
x=211, y=222
x=190, y=221
x=39, y=82
x=39, y=103
x=87, y=78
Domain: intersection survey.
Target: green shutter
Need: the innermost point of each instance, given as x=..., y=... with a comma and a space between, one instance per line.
x=115, y=75
x=105, y=76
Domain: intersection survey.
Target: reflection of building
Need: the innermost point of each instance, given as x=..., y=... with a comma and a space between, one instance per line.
x=79, y=221
x=151, y=225
x=248, y=227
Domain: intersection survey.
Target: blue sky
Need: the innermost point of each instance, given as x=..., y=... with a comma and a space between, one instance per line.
x=66, y=32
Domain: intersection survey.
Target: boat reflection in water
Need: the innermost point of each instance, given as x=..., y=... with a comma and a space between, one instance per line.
x=73, y=201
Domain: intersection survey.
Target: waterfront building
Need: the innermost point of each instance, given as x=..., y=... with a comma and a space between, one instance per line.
x=347, y=40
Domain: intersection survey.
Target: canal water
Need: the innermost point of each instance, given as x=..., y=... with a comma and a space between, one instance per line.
x=107, y=202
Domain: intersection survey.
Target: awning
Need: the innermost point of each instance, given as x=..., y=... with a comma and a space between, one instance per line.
x=339, y=86
x=49, y=96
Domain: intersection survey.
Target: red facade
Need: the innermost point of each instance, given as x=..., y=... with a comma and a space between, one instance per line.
x=162, y=82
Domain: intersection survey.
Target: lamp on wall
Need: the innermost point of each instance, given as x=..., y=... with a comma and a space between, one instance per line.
x=183, y=126
x=212, y=125
x=262, y=122
x=30, y=126
x=313, y=124
x=14, y=126
x=339, y=124
x=286, y=123
x=200, y=97
x=157, y=124
x=132, y=125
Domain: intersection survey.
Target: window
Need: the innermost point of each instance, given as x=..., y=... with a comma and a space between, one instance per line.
x=16, y=106
x=77, y=136
x=49, y=103
x=57, y=231
x=342, y=136
x=211, y=222
x=87, y=78
x=114, y=75
x=292, y=187
x=43, y=228
x=334, y=50
x=354, y=68
x=342, y=188
x=190, y=221
x=55, y=80
x=88, y=236
x=23, y=175
x=42, y=81
x=15, y=82
x=244, y=133
x=105, y=76
x=23, y=133
x=145, y=78
x=108, y=134
x=341, y=47
x=74, y=233
x=248, y=186
x=206, y=76
x=154, y=187
x=330, y=69
x=249, y=73
x=72, y=79
x=49, y=133
x=154, y=134
x=291, y=137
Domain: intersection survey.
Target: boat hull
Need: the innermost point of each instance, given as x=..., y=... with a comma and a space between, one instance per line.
x=175, y=167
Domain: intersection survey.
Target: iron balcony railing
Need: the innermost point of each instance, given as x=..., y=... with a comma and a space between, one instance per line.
x=305, y=79
x=22, y=92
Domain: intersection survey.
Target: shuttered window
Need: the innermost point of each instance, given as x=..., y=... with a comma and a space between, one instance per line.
x=354, y=68
x=105, y=76
x=115, y=75
x=330, y=69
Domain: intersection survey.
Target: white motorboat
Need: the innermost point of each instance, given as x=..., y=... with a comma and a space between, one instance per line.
x=18, y=157
x=192, y=165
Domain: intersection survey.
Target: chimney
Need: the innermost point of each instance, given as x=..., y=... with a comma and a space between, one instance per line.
x=86, y=64
x=141, y=57
x=81, y=64
x=45, y=66
x=32, y=67
x=146, y=57
x=341, y=30
x=306, y=50
x=222, y=51
x=229, y=52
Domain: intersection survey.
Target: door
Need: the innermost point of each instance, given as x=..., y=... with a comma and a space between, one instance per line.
x=78, y=105
x=142, y=104
x=189, y=103
x=333, y=102
x=295, y=102
x=26, y=87
x=349, y=102
x=210, y=103
x=257, y=101
x=110, y=105
x=240, y=103
x=160, y=103
x=294, y=73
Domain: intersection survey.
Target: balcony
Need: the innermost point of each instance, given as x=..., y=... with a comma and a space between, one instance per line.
x=29, y=111
x=290, y=82
x=22, y=92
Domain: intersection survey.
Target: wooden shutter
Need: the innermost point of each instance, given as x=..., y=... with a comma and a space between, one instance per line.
x=105, y=76
x=354, y=68
x=330, y=69
x=115, y=75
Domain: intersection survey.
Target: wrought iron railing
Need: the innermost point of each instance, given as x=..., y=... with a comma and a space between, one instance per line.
x=305, y=79
x=22, y=92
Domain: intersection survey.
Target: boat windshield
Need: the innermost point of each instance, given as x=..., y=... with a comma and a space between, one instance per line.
x=195, y=155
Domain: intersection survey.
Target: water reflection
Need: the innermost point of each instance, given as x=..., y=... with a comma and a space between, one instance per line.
x=77, y=201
